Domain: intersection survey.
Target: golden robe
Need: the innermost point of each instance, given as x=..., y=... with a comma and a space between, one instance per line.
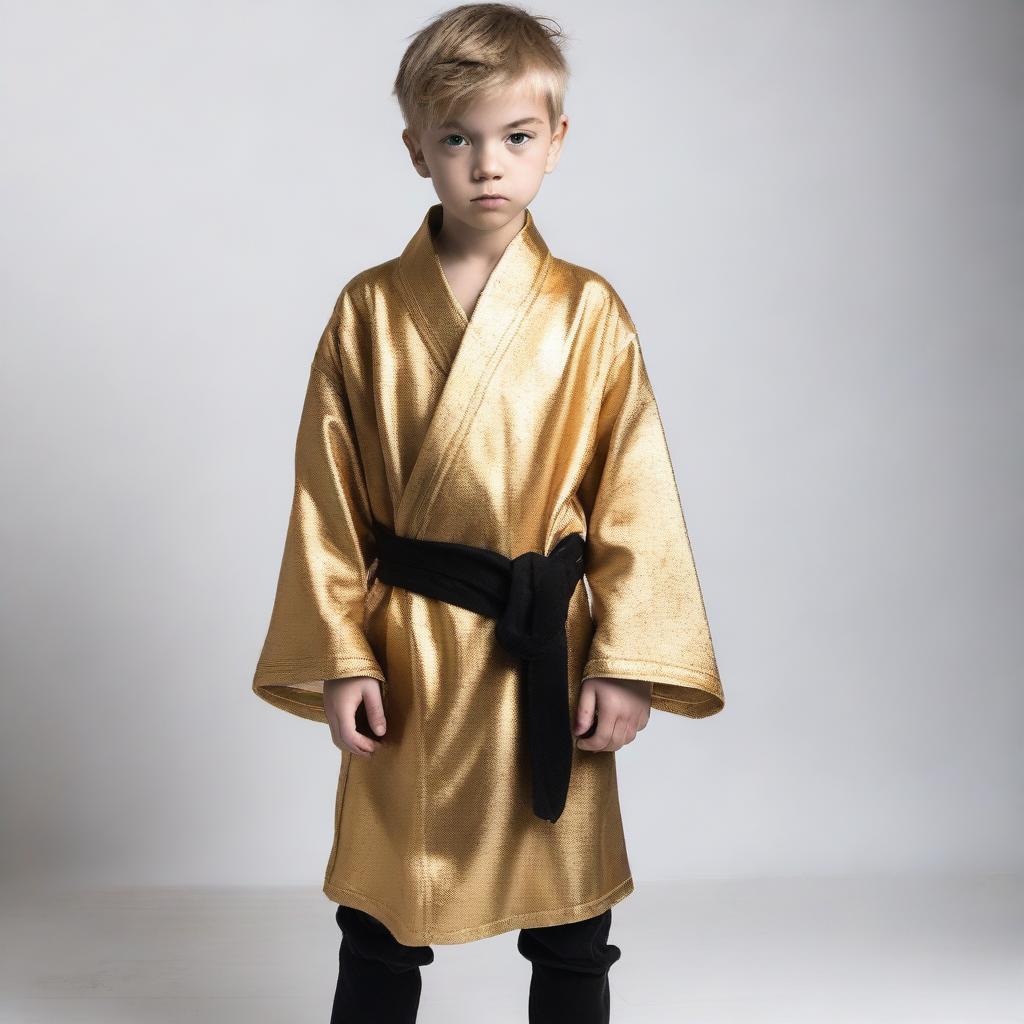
x=532, y=420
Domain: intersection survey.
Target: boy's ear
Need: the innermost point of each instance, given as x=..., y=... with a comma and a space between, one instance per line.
x=555, y=146
x=415, y=153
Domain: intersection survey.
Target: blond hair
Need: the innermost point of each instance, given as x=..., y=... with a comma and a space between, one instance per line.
x=470, y=52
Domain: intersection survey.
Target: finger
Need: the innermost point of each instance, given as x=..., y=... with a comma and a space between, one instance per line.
x=374, y=704
x=631, y=731
x=355, y=742
x=355, y=745
x=619, y=733
x=606, y=720
x=585, y=709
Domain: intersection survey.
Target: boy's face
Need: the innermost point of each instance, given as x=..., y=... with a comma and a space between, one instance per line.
x=502, y=146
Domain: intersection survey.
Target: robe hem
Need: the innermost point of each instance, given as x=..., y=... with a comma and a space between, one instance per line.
x=533, y=919
x=308, y=670
x=689, y=709
x=666, y=679
x=277, y=683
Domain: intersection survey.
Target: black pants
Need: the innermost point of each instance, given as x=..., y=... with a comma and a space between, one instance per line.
x=379, y=979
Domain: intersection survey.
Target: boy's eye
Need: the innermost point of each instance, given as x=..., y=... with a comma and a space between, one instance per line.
x=524, y=137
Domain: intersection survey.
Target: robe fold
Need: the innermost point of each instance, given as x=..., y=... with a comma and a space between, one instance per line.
x=533, y=419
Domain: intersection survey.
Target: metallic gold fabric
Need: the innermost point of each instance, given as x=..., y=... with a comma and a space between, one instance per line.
x=533, y=420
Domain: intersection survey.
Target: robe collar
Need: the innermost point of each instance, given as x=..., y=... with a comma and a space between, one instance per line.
x=440, y=318
x=468, y=353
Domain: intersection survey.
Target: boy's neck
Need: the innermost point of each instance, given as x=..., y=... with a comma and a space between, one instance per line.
x=458, y=242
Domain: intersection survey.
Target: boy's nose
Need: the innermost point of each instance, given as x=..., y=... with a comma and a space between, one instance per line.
x=488, y=163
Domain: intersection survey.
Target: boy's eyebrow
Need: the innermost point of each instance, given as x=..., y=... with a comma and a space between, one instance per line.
x=512, y=124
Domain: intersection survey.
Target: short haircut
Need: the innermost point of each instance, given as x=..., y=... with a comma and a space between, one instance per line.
x=471, y=51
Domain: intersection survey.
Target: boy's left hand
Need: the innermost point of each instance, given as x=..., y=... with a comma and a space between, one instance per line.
x=623, y=707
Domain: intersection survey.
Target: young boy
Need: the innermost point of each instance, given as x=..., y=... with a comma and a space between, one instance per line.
x=478, y=432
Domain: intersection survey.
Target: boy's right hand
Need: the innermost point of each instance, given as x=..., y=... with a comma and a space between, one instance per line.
x=342, y=698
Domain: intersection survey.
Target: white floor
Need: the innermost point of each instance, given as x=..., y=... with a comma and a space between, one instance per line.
x=788, y=951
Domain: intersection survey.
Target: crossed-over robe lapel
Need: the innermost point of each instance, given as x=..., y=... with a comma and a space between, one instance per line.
x=469, y=352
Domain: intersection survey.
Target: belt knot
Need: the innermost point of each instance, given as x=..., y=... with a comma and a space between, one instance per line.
x=532, y=623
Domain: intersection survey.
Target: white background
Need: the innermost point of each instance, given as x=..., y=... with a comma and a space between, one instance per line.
x=815, y=214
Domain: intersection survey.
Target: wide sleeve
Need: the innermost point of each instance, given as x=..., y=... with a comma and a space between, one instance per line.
x=649, y=616
x=317, y=626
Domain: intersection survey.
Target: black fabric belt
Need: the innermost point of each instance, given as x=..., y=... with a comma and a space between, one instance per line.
x=529, y=597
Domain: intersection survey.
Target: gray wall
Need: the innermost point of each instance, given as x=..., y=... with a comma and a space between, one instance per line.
x=815, y=213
